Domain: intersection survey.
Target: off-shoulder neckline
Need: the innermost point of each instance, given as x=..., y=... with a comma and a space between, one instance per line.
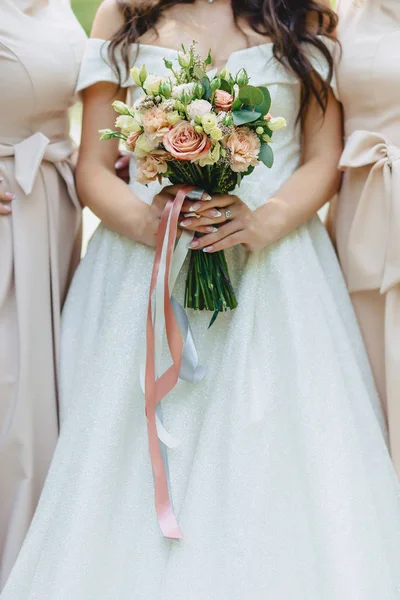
x=164, y=49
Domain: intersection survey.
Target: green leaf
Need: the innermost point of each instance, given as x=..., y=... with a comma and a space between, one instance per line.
x=225, y=86
x=214, y=318
x=266, y=155
x=241, y=117
x=237, y=105
x=208, y=60
x=207, y=87
x=251, y=95
x=265, y=105
x=199, y=73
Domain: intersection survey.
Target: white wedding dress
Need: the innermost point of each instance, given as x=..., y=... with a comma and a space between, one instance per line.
x=282, y=483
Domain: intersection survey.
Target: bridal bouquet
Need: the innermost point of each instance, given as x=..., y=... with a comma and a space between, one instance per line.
x=207, y=131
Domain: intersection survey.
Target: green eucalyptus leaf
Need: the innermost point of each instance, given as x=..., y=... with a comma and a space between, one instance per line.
x=241, y=117
x=266, y=155
x=251, y=95
x=205, y=82
x=265, y=105
x=249, y=171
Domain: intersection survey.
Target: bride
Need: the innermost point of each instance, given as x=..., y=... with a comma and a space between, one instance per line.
x=282, y=482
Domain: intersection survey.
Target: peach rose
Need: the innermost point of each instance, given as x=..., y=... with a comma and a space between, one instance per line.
x=132, y=139
x=150, y=167
x=155, y=123
x=185, y=143
x=223, y=101
x=244, y=146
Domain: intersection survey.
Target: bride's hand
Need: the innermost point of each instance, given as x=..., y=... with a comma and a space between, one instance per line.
x=227, y=222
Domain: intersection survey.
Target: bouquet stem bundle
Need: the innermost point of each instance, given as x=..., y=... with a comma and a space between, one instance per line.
x=208, y=284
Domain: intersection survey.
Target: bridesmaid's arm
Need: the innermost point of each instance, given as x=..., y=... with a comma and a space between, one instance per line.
x=98, y=186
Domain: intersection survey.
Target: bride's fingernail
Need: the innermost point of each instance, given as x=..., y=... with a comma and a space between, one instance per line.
x=208, y=249
x=206, y=196
x=194, y=207
x=210, y=229
x=186, y=223
x=9, y=196
x=215, y=213
x=193, y=244
x=1, y=179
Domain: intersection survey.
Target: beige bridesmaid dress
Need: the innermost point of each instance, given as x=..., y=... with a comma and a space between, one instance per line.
x=367, y=220
x=41, y=45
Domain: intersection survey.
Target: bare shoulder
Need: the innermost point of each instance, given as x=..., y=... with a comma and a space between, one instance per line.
x=108, y=20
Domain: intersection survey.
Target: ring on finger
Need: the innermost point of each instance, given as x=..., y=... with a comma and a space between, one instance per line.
x=228, y=213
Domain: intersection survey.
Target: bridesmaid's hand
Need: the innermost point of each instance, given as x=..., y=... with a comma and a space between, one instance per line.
x=227, y=222
x=122, y=167
x=153, y=213
x=5, y=201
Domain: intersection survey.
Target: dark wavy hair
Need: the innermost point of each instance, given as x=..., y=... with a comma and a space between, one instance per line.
x=288, y=23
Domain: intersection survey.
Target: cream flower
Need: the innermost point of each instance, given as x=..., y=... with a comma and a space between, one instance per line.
x=135, y=74
x=150, y=167
x=276, y=123
x=127, y=124
x=174, y=117
x=212, y=157
x=121, y=108
x=132, y=139
x=216, y=134
x=155, y=123
x=209, y=122
x=143, y=146
x=152, y=84
x=184, y=59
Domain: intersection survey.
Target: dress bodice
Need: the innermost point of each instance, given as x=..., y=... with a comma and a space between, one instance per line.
x=262, y=68
x=368, y=71
x=41, y=47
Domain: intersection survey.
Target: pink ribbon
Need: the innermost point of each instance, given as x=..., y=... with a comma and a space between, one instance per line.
x=157, y=389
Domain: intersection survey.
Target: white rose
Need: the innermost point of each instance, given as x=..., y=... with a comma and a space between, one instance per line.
x=178, y=90
x=276, y=123
x=152, y=84
x=198, y=108
x=127, y=124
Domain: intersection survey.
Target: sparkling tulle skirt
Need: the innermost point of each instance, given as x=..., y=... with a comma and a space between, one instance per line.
x=282, y=483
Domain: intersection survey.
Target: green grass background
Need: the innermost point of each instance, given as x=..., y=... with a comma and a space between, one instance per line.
x=85, y=11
